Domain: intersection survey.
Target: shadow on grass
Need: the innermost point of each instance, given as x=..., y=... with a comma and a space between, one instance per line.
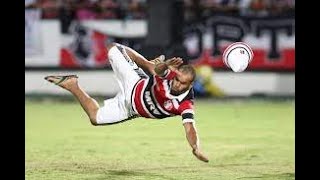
x=118, y=174
x=138, y=172
x=271, y=176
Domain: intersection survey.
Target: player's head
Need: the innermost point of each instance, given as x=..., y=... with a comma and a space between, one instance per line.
x=184, y=79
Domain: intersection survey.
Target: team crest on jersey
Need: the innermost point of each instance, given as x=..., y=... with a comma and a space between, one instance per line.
x=168, y=105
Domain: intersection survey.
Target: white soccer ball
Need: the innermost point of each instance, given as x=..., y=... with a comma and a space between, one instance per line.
x=237, y=56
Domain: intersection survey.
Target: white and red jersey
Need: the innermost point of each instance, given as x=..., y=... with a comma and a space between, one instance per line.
x=151, y=98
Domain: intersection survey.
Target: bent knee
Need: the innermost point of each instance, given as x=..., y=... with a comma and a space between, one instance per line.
x=93, y=121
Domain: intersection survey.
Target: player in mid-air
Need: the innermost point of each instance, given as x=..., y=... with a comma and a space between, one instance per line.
x=152, y=89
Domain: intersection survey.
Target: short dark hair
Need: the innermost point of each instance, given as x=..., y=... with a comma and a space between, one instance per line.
x=187, y=68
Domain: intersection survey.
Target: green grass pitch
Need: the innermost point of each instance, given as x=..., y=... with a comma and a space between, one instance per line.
x=243, y=140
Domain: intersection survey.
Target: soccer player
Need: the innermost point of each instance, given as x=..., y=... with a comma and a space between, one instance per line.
x=152, y=89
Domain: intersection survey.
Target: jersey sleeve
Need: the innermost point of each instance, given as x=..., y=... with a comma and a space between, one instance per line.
x=186, y=111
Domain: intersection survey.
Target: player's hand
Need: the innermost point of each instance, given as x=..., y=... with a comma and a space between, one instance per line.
x=200, y=155
x=174, y=62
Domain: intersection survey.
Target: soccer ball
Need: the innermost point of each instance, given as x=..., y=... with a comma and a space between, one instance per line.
x=237, y=56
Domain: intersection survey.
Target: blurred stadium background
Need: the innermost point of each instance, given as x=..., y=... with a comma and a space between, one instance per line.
x=256, y=106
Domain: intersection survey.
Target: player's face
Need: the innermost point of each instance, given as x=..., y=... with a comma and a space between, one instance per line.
x=181, y=83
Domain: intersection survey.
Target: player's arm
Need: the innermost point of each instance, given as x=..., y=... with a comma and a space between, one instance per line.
x=187, y=113
x=141, y=61
x=193, y=139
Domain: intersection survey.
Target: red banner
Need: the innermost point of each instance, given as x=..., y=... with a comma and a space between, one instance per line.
x=86, y=50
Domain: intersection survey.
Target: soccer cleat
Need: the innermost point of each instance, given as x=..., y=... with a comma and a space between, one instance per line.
x=59, y=79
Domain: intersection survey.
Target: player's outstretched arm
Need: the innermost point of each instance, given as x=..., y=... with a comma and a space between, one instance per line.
x=192, y=137
x=141, y=61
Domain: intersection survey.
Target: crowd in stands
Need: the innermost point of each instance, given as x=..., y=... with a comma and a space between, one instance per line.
x=91, y=9
x=137, y=9
x=197, y=9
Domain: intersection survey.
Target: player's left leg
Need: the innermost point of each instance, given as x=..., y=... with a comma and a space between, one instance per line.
x=70, y=83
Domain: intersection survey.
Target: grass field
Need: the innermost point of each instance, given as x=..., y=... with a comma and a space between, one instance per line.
x=243, y=140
